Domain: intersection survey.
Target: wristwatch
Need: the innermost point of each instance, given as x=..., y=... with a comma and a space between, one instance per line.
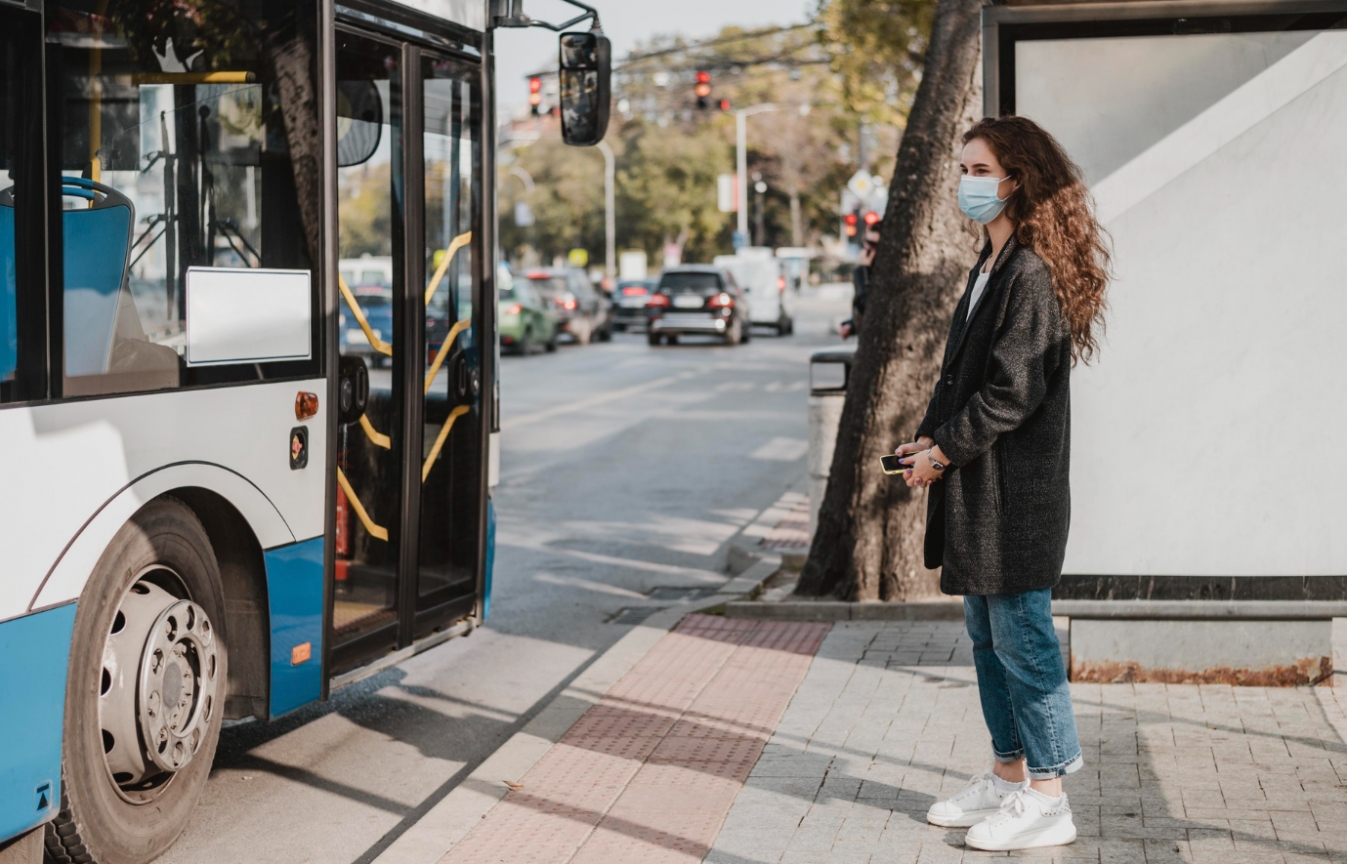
x=939, y=466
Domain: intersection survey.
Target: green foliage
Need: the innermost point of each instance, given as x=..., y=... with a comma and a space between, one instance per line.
x=876, y=48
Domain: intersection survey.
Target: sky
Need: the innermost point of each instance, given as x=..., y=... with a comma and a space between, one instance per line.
x=625, y=22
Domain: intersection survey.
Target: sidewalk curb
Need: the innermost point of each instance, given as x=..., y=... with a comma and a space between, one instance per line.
x=440, y=829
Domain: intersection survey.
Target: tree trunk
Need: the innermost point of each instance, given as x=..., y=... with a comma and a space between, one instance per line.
x=868, y=545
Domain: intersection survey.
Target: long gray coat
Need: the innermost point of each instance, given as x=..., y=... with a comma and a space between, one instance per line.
x=997, y=522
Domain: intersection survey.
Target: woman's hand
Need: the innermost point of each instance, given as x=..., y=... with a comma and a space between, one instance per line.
x=920, y=471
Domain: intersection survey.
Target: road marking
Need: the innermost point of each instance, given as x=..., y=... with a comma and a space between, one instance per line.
x=600, y=399
x=781, y=450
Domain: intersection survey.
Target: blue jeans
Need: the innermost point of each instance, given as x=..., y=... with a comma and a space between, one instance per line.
x=1022, y=681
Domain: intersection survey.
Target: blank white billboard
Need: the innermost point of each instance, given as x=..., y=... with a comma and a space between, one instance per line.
x=236, y=315
x=1207, y=436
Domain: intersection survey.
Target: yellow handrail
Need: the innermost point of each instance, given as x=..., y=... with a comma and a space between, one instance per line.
x=378, y=532
x=454, y=245
x=379, y=345
x=439, y=439
x=144, y=78
x=459, y=327
x=376, y=437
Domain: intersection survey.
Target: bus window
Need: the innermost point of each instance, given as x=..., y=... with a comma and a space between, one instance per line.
x=22, y=363
x=187, y=131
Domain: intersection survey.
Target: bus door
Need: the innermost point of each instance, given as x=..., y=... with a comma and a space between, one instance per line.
x=411, y=478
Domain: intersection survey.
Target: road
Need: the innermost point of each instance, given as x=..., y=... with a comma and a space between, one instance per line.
x=625, y=472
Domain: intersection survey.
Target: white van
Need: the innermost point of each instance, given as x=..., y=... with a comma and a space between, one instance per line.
x=759, y=274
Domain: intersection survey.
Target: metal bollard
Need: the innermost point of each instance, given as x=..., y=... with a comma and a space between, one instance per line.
x=829, y=374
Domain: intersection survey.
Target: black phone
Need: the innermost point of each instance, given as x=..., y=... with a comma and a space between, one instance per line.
x=892, y=465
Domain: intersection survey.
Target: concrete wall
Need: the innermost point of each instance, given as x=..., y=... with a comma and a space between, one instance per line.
x=1215, y=160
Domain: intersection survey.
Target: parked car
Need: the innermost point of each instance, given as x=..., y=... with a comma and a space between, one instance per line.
x=526, y=320
x=697, y=299
x=629, y=302
x=371, y=281
x=581, y=310
x=763, y=279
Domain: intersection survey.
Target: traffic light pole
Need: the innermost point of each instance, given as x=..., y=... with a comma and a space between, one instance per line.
x=609, y=220
x=741, y=160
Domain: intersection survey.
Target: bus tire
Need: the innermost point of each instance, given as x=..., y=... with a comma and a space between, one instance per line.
x=159, y=568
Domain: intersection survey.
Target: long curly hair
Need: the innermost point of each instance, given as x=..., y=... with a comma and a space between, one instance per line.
x=1053, y=214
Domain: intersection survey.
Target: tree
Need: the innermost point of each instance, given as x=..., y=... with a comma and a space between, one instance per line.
x=868, y=545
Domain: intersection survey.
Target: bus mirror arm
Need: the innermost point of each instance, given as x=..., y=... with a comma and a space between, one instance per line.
x=510, y=13
x=352, y=389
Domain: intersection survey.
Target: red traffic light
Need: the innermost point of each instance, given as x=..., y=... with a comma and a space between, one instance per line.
x=535, y=84
x=871, y=217
x=703, y=77
x=850, y=219
x=724, y=104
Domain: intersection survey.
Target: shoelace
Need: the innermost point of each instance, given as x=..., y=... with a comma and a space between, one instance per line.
x=1012, y=806
x=975, y=781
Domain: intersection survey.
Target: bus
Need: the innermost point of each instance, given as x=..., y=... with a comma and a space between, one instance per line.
x=232, y=481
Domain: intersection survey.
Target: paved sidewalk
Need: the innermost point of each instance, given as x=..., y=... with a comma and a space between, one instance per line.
x=730, y=743
x=888, y=720
x=649, y=773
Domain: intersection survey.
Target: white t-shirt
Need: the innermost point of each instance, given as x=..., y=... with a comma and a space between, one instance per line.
x=978, y=287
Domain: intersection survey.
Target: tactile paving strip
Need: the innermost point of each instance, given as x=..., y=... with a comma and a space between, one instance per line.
x=649, y=773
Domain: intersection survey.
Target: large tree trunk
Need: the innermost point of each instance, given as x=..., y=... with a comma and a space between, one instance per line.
x=868, y=545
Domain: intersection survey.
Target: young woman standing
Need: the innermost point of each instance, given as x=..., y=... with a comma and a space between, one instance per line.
x=994, y=448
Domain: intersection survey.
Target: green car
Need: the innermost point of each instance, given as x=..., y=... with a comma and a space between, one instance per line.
x=526, y=320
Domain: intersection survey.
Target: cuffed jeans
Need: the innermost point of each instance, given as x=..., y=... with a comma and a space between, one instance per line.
x=1022, y=682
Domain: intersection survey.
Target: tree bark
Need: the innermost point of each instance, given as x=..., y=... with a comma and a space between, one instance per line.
x=868, y=545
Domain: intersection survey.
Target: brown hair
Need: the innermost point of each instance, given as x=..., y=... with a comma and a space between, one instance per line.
x=1053, y=213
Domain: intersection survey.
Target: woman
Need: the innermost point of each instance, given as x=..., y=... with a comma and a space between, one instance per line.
x=994, y=448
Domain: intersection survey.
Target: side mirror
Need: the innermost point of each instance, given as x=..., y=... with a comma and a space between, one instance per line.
x=586, y=87
x=352, y=389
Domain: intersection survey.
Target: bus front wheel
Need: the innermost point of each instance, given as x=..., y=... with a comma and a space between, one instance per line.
x=145, y=692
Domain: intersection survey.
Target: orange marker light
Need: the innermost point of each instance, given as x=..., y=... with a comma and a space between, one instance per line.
x=306, y=405
x=301, y=653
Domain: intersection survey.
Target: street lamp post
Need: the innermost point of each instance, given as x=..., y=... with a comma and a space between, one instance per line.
x=741, y=159
x=609, y=220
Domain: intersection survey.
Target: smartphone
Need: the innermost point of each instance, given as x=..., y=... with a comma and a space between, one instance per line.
x=892, y=465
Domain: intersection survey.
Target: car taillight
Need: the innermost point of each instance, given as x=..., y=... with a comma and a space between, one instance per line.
x=780, y=284
x=657, y=301
x=514, y=309
x=633, y=291
x=721, y=301
x=567, y=301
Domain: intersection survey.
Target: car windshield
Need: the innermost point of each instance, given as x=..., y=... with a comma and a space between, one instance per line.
x=689, y=283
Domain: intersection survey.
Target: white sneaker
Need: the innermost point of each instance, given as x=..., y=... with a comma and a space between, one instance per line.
x=979, y=799
x=1026, y=820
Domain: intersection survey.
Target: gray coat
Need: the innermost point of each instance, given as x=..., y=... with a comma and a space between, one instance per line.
x=997, y=522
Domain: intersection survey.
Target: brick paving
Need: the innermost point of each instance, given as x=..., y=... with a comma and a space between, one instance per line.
x=887, y=720
x=648, y=774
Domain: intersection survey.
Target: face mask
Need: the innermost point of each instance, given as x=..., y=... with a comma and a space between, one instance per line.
x=978, y=199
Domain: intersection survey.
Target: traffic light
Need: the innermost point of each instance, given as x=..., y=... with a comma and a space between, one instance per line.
x=871, y=219
x=849, y=224
x=703, y=88
x=724, y=104
x=535, y=94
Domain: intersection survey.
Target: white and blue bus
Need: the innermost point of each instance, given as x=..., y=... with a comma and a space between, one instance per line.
x=229, y=480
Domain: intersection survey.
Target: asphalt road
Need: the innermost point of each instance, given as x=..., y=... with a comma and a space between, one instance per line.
x=625, y=472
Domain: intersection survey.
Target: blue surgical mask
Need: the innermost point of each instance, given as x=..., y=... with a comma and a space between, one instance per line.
x=978, y=199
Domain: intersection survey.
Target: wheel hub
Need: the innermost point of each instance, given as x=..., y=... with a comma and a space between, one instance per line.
x=158, y=686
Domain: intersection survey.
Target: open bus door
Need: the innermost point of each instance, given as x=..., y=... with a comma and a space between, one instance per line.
x=1210, y=135
x=411, y=496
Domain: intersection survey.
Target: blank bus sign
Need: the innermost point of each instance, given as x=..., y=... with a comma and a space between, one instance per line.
x=238, y=315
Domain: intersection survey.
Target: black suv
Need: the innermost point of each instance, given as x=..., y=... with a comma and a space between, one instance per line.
x=697, y=299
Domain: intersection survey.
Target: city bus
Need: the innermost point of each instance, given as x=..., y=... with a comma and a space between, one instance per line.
x=231, y=481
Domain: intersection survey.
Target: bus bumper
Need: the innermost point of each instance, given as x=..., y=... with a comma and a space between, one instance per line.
x=34, y=656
